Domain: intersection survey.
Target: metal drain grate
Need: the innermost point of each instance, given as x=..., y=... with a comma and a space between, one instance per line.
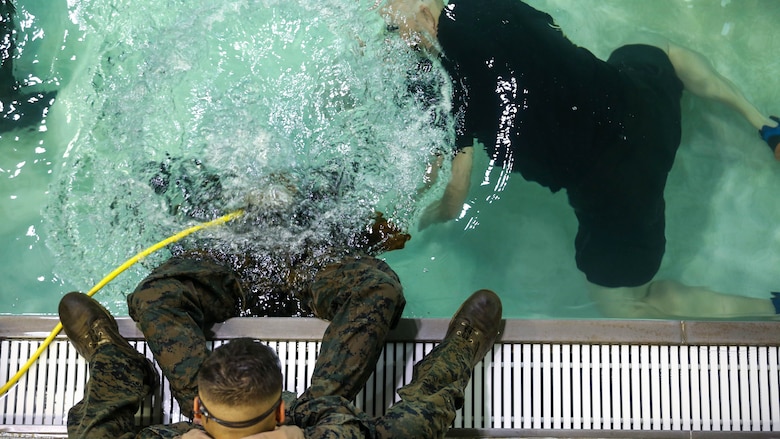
x=539, y=386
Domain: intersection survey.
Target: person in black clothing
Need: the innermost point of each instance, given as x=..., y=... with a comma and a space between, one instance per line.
x=607, y=132
x=18, y=107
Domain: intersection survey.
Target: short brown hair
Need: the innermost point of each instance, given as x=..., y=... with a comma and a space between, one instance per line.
x=241, y=371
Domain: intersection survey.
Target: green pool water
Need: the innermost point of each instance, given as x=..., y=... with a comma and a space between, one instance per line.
x=250, y=89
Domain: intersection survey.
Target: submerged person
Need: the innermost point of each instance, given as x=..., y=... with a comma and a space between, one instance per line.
x=607, y=132
x=18, y=109
x=287, y=230
x=240, y=382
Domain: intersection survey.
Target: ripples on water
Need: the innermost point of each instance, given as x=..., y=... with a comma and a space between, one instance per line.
x=170, y=112
x=193, y=114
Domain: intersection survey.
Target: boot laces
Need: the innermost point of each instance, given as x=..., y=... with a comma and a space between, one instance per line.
x=96, y=335
x=468, y=332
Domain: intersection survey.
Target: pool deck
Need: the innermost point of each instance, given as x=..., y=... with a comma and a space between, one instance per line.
x=557, y=378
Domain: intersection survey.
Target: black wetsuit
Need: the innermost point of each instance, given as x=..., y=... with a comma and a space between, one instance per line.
x=607, y=132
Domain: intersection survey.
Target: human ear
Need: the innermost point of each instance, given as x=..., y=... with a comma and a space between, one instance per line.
x=197, y=418
x=280, y=413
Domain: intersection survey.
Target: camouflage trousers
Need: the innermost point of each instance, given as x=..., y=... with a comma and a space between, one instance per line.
x=117, y=386
x=177, y=304
x=114, y=392
x=428, y=403
x=426, y=409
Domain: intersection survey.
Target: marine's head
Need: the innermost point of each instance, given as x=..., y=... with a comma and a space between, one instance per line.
x=239, y=390
x=417, y=21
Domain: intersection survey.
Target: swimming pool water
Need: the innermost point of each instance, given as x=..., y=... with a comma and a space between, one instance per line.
x=248, y=89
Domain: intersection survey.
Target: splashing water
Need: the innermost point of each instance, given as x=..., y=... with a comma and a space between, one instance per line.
x=269, y=103
x=169, y=112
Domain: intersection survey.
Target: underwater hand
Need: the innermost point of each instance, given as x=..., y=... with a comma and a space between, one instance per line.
x=385, y=236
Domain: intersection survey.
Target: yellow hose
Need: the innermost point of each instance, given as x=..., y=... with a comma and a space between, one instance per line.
x=109, y=278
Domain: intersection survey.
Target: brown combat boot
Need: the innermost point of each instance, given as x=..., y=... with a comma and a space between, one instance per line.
x=478, y=321
x=89, y=325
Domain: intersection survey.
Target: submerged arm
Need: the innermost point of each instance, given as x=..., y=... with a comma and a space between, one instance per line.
x=451, y=203
x=431, y=174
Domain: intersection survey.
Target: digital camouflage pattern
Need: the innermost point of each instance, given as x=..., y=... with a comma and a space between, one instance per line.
x=426, y=410
x=176, y=305
x=118, y=383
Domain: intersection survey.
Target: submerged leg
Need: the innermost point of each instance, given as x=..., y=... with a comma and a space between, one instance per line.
x=700, y=78
x=670, y=299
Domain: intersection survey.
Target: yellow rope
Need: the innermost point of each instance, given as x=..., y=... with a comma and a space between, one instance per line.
x=109, y=278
